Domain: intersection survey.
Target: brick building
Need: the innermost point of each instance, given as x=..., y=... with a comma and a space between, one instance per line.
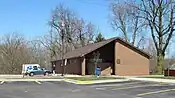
x=117, y=58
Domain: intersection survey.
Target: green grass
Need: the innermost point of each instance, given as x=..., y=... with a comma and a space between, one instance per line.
x=92, y=78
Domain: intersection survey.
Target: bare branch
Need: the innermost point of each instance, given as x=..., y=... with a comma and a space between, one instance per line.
x=125, y=18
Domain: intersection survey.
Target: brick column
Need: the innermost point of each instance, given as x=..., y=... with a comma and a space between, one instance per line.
x=83, y=66
x=115, y=58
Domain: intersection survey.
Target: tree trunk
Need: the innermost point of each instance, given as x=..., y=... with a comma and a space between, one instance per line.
x=160, y=66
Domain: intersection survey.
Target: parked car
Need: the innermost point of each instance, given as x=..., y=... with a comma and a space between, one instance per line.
x=170, y=71
x=34, y=69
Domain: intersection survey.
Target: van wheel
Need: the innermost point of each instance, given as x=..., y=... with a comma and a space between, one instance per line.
x=31, y=74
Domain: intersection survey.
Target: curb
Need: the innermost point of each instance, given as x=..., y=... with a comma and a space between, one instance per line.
x=13, y=80
x=78, y=82
x=66, y=80
x=84, y=82
x=95, y=82
x=154, y=80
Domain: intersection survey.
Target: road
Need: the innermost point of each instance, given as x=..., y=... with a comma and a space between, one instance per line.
x=131, y=89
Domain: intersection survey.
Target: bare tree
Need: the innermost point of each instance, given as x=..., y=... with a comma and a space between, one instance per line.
x=159, y=15
x=62, y=22
x=51, y=43
x=90, y=33
x=151, y=49
x=13, y=53
x=69, y=29
x=125, y=20
x=39, y=53
x=84, y=33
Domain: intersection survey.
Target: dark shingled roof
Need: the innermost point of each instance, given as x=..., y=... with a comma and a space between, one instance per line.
x=87, y=49
x=91, y=47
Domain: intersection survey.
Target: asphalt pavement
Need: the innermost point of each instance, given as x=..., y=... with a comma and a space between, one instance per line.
x=60, y=89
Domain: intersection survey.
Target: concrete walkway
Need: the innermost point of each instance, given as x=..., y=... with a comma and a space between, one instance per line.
x=10, y=76
x=152, y=79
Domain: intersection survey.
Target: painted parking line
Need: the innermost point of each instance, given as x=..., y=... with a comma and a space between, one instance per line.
x=116, y=84
x=38, y=82
x=2, y=82
x=100, y=88
x=139, y=86
x=155, y=92
x=76, y=90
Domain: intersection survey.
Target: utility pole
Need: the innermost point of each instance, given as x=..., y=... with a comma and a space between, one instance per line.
x=96, y=59
x=62, y=40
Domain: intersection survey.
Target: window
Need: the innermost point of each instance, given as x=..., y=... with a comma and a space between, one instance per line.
x=35, y=68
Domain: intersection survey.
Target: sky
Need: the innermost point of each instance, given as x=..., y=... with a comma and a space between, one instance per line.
x=30, y=17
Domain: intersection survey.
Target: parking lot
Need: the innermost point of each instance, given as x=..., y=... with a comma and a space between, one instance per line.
x=130, y=89
x=140, y=89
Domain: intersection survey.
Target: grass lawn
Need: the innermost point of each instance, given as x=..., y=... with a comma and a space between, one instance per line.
x=92, y=78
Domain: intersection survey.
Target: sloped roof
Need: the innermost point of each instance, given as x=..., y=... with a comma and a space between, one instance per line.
x=87, y=49
x=92, y=47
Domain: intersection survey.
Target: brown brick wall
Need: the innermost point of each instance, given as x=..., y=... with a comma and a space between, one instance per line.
x=58, y=68
x=72, y=67
x=131, y=63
